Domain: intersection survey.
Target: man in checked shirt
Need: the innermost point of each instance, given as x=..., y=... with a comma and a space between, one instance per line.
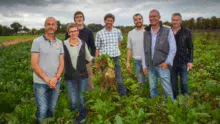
x=107, y=42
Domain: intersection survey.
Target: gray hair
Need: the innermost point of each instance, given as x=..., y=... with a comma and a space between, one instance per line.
x=50, y=18
x=154, y=10
x=177, y=14
x=71, y=25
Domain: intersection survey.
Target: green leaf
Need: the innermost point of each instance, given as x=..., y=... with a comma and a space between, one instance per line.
x=118, y=119
x=171, y=118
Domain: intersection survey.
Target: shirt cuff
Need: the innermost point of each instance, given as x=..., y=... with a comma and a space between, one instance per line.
x=168, y=62
x=34, y=52
x=144, y=66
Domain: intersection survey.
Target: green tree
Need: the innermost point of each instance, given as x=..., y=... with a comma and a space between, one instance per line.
x=16, y=27
x=26, y=29
x=95, y=27
x=206, y=23
x=213, y=22
x=199, y=23
x=167, y=23
x=63, y=28
x=33, y=31
x=191, y=23
x=58, y=26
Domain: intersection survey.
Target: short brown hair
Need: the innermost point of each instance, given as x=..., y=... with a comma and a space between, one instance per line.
x=79, y=13
x=71, y=25
x=109, y=15
x=138, y=14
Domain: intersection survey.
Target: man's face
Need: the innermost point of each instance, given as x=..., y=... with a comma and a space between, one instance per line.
x=79, y=20
x=73, y=32
x=138, y=21
x=109, y=22
x=154, y=18
x=176, y=21
x=50, y=26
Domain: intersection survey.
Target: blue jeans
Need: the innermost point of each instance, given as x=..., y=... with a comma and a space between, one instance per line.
x=139, y=72
x=75, y=90
x=181, y=71
x=46, y=99
x=164, y=75
x=118, y=76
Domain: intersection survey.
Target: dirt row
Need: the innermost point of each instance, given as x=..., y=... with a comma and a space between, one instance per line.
x=16, y=41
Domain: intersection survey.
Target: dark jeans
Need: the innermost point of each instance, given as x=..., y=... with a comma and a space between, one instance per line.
x=118, y=76
x=46, y=99
x=75, y=90
x=183, y=73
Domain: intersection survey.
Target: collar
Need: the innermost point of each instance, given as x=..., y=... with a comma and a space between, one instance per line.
x=79, y=40
x=107, y=30
x=55, y=39
x=152, y=32
x=148, y=28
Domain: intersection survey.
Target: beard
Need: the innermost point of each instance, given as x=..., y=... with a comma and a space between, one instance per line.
x=139, y=26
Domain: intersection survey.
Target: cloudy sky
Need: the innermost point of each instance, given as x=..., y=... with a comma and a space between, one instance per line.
x=32, y=13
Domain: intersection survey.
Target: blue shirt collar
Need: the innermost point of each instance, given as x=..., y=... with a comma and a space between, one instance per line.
x=152, y=32
x=55, y=39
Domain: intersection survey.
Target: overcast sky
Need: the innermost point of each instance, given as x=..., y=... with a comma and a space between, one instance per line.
x=32, y=13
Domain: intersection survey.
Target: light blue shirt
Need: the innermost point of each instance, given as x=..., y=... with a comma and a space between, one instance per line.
x=172, y=48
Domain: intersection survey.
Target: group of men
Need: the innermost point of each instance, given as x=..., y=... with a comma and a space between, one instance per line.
x=157, y=50
x=161, y=52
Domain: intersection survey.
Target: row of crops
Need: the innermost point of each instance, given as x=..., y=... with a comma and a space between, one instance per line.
x=17, y=103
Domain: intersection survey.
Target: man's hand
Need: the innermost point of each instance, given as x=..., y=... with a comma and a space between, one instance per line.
x=145, y=71
x=189, y=66
x=164, y=65
x=48, y=81
x=52, y=82
x=128, y=66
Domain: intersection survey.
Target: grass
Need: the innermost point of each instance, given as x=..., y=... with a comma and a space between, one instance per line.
x=7, y=38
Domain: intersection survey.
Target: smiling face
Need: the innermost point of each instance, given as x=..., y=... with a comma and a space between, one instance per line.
x=154, y=18
x=176, y=21
x=73, y=32
x=50, y=26
x=79, y=19
x=109, y=22
x=138, y=21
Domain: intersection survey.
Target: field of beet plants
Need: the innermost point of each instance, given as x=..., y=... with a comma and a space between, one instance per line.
x=105, y=106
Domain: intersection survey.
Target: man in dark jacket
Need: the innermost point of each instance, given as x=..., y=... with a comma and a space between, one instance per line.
x=184, y=56
x=87, y=36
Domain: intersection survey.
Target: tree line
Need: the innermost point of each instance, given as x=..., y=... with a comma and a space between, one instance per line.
x=193, y=24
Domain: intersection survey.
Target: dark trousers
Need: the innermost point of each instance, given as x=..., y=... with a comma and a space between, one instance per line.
x=118, y=76
x=182, y=72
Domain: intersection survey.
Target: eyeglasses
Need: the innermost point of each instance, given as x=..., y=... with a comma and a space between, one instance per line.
x=153, y=16
x=74, y=31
